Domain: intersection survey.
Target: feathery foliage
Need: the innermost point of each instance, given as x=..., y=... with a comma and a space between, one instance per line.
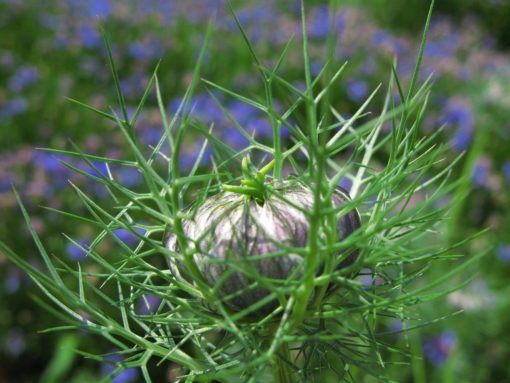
x=326, y=323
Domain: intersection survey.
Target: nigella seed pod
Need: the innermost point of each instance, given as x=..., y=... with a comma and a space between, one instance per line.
x=238, y=241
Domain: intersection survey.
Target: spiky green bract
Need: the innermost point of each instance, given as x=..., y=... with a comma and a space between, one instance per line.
x=253, y=184
x=400, y=184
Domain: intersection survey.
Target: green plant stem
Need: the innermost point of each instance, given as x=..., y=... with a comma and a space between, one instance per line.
x=449, y=369
x=417, y=364
x=315, y=167
x=283, y=372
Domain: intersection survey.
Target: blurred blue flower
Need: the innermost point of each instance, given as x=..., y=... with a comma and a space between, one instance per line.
x=129, y=176
x=315, y=67
x=189, y=155
x=319, y=22
x=91, y=8
x=242, y=112
x=372, y=201
x=127, y=237
x=198, y=14
x=365, y=277
x=12, y=281
x=58, y=174
x=462, y=138
x=385, y=39
x=130, y=111
x=151, y=136
x=75, y=252
x=437, y=48
x=138, y=50
x=368, y=278
x=23, y=77
x=126, y=376
x=481, y=172
x=148, y=304
x=503, y=252
x=438, y=348
x=202, y=107
x=396, y=326
x=255, y=19
x=340, y=22
x=5, y=182
x=381, y=36
x=14, y=2
x=506, y=171
x=357, y=90
x=13, y=107
x=261, y=127
x=284, y=131
x=163, y=7
x=98, y=189
x=255, y=14
x=48, y=161
x=89, y=36
x=174, y=104
x=257, y=33
x=100, y=169
x=100, y=8
x=234, y=138
x=345, y=183
x=458, y=112
x=145, y=50
x=300, y=85
x=15, y=342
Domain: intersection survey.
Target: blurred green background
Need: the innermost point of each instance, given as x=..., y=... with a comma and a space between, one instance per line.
x=52, y=50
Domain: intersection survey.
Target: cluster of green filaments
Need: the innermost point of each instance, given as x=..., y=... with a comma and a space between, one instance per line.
x=253, y=184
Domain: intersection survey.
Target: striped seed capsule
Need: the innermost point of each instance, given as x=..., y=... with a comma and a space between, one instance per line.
x=238, y=241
